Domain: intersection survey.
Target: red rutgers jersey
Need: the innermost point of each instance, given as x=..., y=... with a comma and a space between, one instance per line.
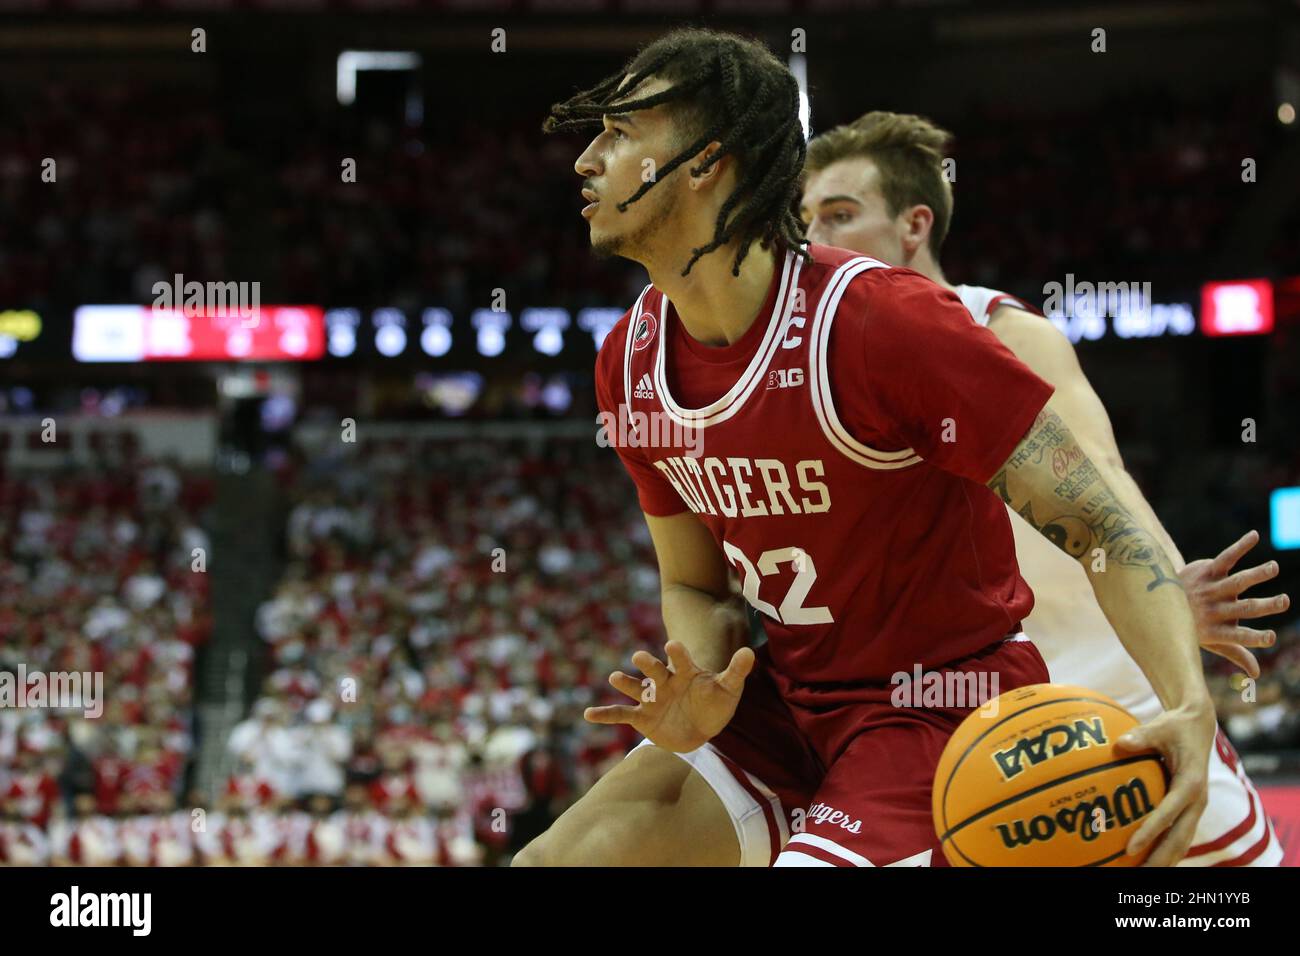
x=838, y=453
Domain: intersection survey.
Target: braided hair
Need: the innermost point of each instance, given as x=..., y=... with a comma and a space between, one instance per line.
x=725, y=88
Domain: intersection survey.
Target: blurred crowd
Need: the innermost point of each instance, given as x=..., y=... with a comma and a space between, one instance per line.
x=96, y=579
x=151, y=181
x=1139, y=190
x=107, y=189
x=1264, y=714
x=446, y=610
x=441, y=218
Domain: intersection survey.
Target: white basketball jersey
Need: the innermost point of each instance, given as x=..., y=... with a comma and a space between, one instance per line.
x=1067, y=624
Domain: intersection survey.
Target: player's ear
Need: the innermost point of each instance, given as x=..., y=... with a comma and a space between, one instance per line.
x=711, y=175
x=915, y=224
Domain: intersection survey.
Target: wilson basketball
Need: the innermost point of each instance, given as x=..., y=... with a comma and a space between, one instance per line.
x=1033, y=779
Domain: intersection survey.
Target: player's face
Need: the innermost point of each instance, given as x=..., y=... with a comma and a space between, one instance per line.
x=843, y=206
x=612, y=168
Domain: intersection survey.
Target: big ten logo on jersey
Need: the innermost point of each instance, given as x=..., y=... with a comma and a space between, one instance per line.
x=785, y=378
x=790, y=339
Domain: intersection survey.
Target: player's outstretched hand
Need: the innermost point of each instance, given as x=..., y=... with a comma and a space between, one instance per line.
x=679, y=706
x=1184, y=738
x=1215, y=596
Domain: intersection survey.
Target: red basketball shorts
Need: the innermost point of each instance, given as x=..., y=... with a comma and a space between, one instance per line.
x=841, y=775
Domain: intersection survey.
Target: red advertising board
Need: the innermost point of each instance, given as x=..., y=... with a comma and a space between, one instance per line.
x=135, y=333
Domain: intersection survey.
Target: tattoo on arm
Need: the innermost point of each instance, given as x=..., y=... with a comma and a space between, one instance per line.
x=1086, y=514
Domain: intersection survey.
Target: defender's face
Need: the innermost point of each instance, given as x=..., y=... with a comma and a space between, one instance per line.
x=614, y=166
x=843, y=206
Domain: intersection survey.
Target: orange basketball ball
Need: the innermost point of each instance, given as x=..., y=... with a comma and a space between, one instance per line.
x=1033, y=779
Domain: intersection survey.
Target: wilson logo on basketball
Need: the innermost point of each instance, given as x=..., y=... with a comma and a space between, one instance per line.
x=1050, y=743
x=643, y=332
x=1130, y=802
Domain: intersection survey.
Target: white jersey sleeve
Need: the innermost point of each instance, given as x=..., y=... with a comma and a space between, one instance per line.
x=981, y=303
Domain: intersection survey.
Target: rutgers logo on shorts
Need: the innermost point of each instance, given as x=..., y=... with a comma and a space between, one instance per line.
x=644, y=332
x=821, y=813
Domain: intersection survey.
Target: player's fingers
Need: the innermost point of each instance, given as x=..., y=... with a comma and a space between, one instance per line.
x=1246, y=636
x=1139, y=738
x=1192, y=789
x=1177, y=840
x=1187, y=789
x=1178, y=799
x=651, y=666
x=625, y=684
x=733, y=678
x=679, y=657
x=1238, y=655
x=611, y=714
x=1152, y=737
x=1242, y=581
x=1234, y=552
x=1251, y=608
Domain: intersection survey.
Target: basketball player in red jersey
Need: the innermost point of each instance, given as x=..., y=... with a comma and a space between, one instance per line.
x=877, y=186
x=835, y=430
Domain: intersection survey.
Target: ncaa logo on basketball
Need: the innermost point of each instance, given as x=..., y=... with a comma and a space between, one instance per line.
x=645, y=331
x=1052, y=742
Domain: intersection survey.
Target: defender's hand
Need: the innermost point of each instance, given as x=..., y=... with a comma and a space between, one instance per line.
x=679, y=706
x=1215, y=597
x=1183, y=736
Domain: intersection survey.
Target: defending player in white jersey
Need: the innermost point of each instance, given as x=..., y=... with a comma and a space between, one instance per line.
x=876, y=186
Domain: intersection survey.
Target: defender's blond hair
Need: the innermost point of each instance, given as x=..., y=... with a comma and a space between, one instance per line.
x=909, y=152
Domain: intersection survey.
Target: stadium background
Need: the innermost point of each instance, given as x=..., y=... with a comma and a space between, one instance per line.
x=385, y=656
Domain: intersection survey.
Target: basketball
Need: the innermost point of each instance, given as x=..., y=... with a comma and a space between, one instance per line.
x=1033, y=779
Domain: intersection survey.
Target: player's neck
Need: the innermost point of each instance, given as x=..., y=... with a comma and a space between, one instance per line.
x=926, y=265
x=715, y=307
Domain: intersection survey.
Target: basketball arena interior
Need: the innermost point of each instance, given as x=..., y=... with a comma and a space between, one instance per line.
x=351, y=576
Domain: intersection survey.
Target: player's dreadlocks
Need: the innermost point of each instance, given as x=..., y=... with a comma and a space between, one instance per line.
x=732, y=90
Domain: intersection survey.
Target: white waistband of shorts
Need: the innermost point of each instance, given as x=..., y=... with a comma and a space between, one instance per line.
x=754, y=821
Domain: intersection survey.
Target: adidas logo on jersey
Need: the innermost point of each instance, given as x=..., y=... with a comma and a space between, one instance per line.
x=643, y=387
